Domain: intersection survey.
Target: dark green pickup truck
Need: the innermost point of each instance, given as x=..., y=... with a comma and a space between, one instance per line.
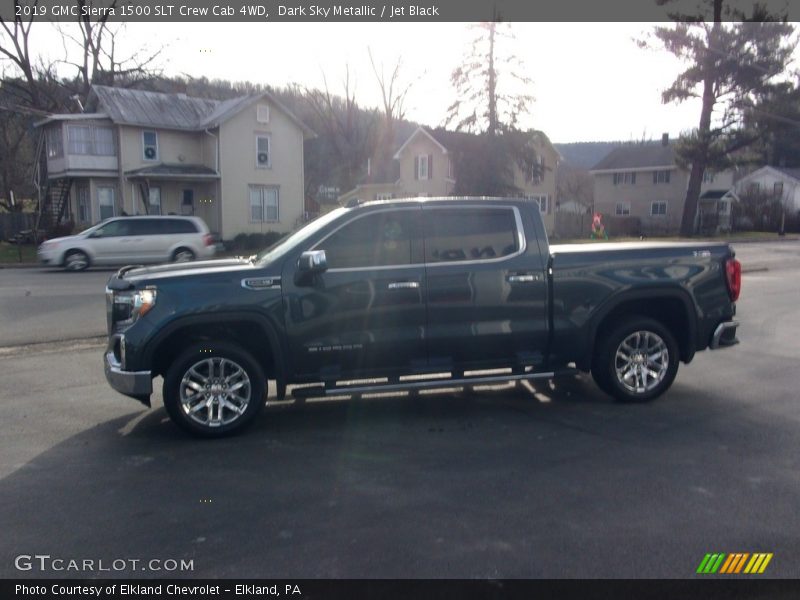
x=401, y=292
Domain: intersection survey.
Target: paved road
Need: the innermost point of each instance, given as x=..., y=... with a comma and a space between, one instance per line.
x=560, y=483
x=39, y=305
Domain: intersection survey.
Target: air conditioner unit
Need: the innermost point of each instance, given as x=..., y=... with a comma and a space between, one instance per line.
x=150, y=153
x=263, y=158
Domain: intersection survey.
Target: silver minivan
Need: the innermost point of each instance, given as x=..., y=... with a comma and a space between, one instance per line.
x=131, y=240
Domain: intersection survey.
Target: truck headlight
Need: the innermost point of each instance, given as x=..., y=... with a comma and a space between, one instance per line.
x=130, y=306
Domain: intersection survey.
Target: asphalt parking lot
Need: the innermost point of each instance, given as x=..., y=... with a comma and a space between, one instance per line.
x=517, y=482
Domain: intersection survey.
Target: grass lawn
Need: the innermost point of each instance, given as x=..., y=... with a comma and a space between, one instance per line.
x=9, y=253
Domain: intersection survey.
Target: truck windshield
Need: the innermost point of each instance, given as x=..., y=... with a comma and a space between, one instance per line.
x=276, y=251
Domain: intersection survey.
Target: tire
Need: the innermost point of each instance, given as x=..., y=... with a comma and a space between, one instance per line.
x=637, y=361
x=199, y=389
x=76, y=260
x=183, y=255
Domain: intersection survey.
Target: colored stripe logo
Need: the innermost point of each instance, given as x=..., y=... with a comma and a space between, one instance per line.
x=734, y=564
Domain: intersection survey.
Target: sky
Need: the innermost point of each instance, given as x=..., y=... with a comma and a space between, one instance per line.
x=591, y=81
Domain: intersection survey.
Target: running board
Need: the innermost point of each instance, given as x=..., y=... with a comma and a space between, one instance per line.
x=427, y=384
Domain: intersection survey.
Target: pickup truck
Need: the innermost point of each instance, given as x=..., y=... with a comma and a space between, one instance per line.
x=408, y=294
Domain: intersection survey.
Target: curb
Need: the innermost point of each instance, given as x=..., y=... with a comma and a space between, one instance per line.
x=20, y=265
x=95, y=341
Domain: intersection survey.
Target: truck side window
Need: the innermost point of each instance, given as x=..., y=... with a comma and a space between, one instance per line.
x=469, y=234
x=375, y=240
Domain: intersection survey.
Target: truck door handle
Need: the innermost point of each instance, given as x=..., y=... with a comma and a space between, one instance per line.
x=403, y=285
x=522, y=278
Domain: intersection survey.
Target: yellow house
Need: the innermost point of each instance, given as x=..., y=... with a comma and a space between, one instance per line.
x=236, y=163
x=424, y=167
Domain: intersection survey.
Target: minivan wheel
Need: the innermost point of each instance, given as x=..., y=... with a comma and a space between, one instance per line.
x=637, y=361
x=76, y=260
x=182, y=255
x=214, y=389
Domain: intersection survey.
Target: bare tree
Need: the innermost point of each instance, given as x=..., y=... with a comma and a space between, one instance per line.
x=99, y=61
x=342, y=122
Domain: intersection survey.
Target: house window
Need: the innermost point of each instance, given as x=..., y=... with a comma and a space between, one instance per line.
x=622, y=209
x=84, y=214
x=660, y=177
x=724, y=207
x=55, y=145
x=536, y=175
x=262, y=113
x=624, y=178
x=423, y=166
x=154, y=201
x=541, y=200
x=754, y=188
x=150, y=145
x=187, y=203
x=777, y=189
x=708, y=177
x=105, y=201
x=263, y=158
x=96, y=141
x=384, y=196
x=264, y=205
x=657, y=209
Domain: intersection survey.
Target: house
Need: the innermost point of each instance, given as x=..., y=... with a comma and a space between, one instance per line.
x=779, y=183
x=644, y=181
x=420, y=167
x=424, y=165
x=236, y=163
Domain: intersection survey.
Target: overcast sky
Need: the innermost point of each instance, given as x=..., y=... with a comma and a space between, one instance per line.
x=591, y=81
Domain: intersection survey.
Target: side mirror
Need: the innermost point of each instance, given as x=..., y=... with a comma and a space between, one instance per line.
x=313, y=261
x=96, y=234
x=310, y=263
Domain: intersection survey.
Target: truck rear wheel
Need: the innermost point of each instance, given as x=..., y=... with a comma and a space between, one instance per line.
x=637, y=361
x=214, y=389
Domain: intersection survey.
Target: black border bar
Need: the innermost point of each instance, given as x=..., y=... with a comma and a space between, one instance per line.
x=340, y=11
x=386, y=589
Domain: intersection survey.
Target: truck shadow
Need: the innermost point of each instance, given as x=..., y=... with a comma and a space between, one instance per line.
x=451, y=485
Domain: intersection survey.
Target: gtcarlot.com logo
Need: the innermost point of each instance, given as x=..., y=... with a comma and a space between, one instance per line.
x=45, y=562
x=737, y=563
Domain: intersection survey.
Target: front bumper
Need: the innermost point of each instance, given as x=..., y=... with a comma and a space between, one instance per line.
x=136, y=384
x=724, y=335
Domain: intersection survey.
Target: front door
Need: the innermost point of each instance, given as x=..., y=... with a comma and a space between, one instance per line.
x=366, y=314
x=486, y=289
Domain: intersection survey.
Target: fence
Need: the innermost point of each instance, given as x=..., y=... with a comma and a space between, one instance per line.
x=12, y=223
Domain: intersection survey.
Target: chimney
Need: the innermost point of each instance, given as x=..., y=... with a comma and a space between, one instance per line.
x=665, y=139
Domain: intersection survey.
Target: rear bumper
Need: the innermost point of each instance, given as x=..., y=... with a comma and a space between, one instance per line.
x=724, y=335
x=136, y=384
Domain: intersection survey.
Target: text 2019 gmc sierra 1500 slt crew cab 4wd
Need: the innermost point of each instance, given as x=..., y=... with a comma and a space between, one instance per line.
x=402, y=288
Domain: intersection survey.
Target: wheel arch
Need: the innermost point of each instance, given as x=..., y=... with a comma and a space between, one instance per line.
x=672, y=307
x=247, y=331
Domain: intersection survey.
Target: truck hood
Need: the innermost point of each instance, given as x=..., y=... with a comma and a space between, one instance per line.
x=129, y=276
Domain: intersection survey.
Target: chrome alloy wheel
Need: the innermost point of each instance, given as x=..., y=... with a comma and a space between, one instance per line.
x=215, y=392
x=641, y=362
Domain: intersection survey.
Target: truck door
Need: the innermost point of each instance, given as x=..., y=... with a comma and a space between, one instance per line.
x=366, y=313
x=486, y=288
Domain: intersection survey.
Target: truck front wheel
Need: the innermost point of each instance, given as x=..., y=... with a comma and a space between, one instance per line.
x=637, y=361
x=213, y=389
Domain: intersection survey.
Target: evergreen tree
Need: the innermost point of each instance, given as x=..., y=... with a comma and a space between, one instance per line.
x=727, y=66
